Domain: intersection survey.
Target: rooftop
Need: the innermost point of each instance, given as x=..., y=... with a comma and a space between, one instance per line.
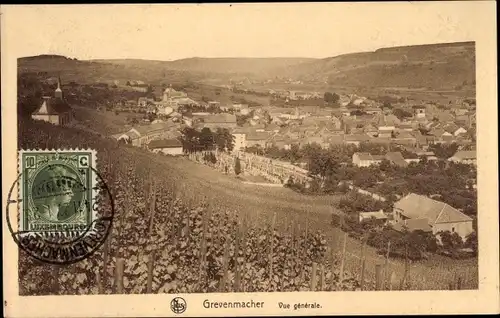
x=417, y=206
x=220, y=118
x=465, y=155
x=164, y=143
x=52, y=106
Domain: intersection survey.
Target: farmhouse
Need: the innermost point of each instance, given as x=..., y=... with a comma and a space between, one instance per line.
x=54, y=110
x=171, y=147
x=418, y=212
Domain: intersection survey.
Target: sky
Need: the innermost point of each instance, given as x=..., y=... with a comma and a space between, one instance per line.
x=168, y=32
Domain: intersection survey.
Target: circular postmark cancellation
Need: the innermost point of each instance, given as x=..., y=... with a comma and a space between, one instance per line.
x=65, y=209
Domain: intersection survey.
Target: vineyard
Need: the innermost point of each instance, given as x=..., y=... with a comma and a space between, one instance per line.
x=170, y=238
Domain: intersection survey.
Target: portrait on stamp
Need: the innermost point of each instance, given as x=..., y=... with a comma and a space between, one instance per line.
x=57, y=189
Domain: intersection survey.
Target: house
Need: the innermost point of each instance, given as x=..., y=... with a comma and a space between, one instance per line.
x=219, y=121
x=407, y=126
x=245, y=111
x=365, y=159
x=170, y=94
x=239, y=140
x=142, y=102
x=378, y=217
x=370, y=130
x=373, y=110
x=54, y=110
x=151, y=109
x=336, y=122
x=404, y=138
x=272, y=128
x=385, y=131
x=213, y=104
x=256, y=139
x=140, y=136
x=464, y=156
x=418, y=212
x=419, y=111
x=172, y=147
x=459, y=131
x=356, y=139
x=396, y=158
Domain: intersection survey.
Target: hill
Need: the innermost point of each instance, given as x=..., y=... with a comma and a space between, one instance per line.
x=434, y=66
x=92, y=71
x=447, y=66
x=220, y=66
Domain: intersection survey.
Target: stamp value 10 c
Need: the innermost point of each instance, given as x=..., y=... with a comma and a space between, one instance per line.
x=57, y=190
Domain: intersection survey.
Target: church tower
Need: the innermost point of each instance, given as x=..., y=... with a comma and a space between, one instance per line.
x=58, y=93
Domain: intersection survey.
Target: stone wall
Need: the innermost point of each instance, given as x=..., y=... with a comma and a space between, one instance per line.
x=272, y=170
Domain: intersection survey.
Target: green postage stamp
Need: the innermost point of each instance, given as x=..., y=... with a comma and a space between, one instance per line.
x=57, y=190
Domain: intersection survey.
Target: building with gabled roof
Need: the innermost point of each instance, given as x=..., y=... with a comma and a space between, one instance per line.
x=396, y=158
x=464, y=156
x=141, y=135
x=171, y=147
x=365, y=159
x=356, y=139
x=222, y=120
x=54, y=110
x=416, y=211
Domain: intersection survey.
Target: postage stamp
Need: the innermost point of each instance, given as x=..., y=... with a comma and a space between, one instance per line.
x=56, y=190
x=65, y=208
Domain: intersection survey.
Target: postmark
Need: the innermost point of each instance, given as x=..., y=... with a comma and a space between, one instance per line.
x=65, y=208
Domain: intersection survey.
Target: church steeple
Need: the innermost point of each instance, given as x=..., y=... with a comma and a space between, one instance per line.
x=58, y=93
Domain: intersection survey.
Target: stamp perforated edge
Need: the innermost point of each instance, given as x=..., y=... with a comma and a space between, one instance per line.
x=93, y=165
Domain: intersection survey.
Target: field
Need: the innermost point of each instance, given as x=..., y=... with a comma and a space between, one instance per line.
x=103, y=122
x=260, y=202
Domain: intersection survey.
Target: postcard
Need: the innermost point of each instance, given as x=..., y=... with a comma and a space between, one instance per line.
x=290, y=159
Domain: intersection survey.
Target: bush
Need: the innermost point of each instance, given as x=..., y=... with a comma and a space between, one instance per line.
x=237, y=166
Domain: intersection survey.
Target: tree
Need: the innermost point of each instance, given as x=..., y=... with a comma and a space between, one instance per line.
x=206, y=139
x=450, y=242
x=401, y=114
x=331, y=98
x=471, y=242
x=190, y=139
x=237, y=166
x=387, y=104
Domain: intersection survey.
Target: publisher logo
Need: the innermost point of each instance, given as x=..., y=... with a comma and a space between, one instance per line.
x=178, y=305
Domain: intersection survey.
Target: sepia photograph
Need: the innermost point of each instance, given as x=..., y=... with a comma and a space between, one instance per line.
x=229, y=149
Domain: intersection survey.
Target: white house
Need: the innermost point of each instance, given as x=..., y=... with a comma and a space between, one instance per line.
x=365, y=159
x=239, y=140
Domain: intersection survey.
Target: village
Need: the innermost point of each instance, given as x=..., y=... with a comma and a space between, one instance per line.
x=400, y=133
